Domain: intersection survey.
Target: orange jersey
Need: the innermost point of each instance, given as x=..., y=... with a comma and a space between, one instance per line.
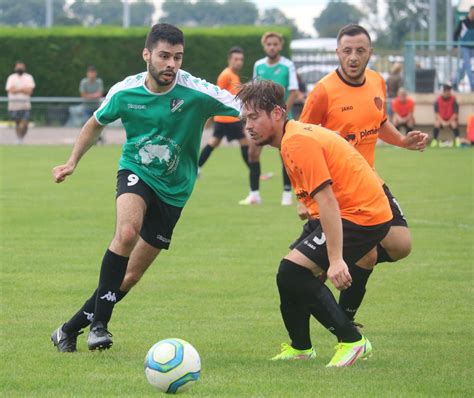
x=403, y=108
x=229, y=81
x=315, y=157
x=355, y=111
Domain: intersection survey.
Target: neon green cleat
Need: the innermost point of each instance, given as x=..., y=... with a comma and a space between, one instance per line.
x=434, y=143
x=288, y=352
x=347, y=353
x=457, y=142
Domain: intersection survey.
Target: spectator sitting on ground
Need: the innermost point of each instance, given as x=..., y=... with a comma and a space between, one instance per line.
x=403, y=108
x=446, y=115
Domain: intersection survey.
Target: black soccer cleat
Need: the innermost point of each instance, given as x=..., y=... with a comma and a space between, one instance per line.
x=99, y=337
x=64, y=342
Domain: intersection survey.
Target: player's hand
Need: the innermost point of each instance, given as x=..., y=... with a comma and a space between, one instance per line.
x=338, y=274
x=302, y=211
x=61, y=172
x=415, y=141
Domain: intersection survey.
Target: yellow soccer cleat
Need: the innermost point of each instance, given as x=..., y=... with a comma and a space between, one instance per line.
x=288, y=353
x=347, y=353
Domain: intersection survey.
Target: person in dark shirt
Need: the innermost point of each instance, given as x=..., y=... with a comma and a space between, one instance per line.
x=446, y=111
x=465, y=33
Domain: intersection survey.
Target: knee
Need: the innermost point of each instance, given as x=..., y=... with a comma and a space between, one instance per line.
x=126, y=235
x=369, y=260
x=130, y=280
x=400, y=249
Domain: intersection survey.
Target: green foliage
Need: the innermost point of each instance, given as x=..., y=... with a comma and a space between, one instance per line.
x=335, y=16
x=209, y=12
x=29, y=12
x=57, y=58
x=216, y=285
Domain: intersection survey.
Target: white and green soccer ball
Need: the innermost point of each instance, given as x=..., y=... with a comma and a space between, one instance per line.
x=172, y=365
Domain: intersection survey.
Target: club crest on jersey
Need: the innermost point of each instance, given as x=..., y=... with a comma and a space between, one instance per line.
x=378, y=103
x=175, y=104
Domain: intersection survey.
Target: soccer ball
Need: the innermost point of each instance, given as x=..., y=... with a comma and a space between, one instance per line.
x=172, y=365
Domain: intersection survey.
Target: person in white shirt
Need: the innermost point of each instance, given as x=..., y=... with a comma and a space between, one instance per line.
x=19, y=87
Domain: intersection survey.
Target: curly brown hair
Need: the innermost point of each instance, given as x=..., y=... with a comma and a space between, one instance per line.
x=262, y=95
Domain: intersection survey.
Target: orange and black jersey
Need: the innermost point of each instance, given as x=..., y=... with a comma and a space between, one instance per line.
x=315, y=157
x=356, y=111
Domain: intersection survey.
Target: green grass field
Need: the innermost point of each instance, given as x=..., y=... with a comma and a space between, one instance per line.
x=216, y=286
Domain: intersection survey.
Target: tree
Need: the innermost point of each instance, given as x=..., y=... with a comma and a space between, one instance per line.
x=209, y=12
x=274, y=16
x=28, y=12
x=108, y=12
x=334, y=17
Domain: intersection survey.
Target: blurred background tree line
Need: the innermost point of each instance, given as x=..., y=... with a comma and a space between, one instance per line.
x=391, y=24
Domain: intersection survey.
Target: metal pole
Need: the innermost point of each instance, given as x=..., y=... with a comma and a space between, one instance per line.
x=126, y=14
x=49, y=13
x=432, y=32
x=449, y=36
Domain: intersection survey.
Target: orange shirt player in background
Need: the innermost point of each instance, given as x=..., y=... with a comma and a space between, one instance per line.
x=228, y=126
x=403, y=108
x=351, y=101
x=350, y=215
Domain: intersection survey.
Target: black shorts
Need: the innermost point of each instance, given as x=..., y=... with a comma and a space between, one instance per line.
x=160, y=218
x=232, y=131
x=357, y=241
x=399, y=219
x=19, y=115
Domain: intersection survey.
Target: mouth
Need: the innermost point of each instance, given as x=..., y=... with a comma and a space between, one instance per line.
x=353, y=68
x=168, y=75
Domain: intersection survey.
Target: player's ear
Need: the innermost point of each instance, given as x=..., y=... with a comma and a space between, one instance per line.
x=146, y=55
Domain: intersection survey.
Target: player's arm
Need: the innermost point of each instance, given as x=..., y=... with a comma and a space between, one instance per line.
x=415, y=140
x=292, y=95
x=331, y=222
x=89, y=134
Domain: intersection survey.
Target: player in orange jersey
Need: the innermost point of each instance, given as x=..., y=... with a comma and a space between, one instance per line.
x=349, y=215
x=351, y=101
x=228, y=126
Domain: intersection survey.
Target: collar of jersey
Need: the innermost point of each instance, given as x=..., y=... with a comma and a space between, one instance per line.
x=164, y=92
x=349, y=83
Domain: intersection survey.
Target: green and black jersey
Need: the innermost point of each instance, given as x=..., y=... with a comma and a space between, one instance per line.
x=164, y=129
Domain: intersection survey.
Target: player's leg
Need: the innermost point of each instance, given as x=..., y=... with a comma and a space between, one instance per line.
x=213, y=143
x=131, y=209
x=397, y=244
x=453, y=123
x=253, y=197
x=244, y=150
x=436, y=126
x=23, y=125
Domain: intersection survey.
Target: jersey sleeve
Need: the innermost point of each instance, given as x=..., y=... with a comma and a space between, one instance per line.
x=109, y=110
x=384, y=91
x=305, y=158
x=315, y=107
x=293, y=79
x=254, y=74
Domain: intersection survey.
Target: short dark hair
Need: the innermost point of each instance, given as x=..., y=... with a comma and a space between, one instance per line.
x=164, y=32
x=235, y=50
x=352, y=30
x=262, y=94
x=91, y=68
x=447, y=87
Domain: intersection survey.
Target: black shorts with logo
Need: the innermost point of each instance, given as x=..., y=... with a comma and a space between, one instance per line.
x=397, y=212
x=232, y=131
x=160, y=218
x=357, y=241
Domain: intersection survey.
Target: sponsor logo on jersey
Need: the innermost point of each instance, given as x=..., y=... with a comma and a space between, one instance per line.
x=175, y=104
x=136, y=106
x=158, y=152
x=347, y=108
x=366, y=133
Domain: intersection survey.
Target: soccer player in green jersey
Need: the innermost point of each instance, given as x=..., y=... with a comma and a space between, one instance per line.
x=163, y=112
x=280, y=70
